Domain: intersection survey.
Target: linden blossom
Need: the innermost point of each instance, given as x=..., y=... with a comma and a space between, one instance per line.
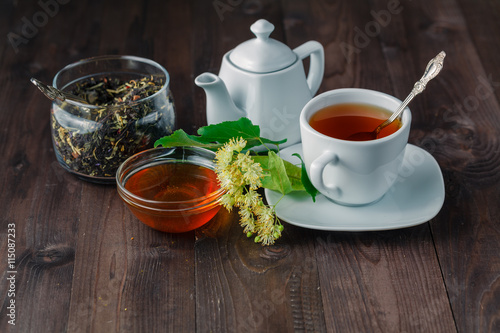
x=281, y=176
x=240, y=176
x=241, y=173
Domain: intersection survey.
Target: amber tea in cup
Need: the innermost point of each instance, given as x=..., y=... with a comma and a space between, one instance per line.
x=340, y=121
x=348, y=172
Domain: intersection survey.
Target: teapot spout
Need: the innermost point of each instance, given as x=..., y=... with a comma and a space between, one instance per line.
x=220, y=106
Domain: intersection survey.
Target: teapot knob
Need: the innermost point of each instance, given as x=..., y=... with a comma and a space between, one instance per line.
x=262, y=29
x=262, y=54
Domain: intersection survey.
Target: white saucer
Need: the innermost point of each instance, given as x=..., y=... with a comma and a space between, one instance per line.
x=416, y=197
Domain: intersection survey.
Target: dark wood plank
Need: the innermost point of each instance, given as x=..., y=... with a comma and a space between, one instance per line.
x=360, y=286
x=35, y=195
x=140, y=280
x=460, y=127
x=127, y=276
x=482, y=23
x=242, y=286
x=250, y=288
x=382, y=282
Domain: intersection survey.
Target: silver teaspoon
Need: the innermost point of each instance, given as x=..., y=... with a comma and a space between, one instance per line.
x=56, y=94
x=431, y=71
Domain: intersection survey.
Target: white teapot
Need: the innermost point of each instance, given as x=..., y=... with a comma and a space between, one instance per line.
x=264, y=80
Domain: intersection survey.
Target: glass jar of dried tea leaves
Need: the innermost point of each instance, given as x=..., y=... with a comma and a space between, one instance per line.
x=130, y=107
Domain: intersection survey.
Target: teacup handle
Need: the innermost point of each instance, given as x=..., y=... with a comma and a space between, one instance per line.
x=317, y=64
x=316, y=174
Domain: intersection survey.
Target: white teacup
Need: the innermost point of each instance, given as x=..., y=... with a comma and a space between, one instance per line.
x=353, y=172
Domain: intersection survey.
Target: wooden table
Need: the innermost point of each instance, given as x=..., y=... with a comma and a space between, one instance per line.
x=84, y=263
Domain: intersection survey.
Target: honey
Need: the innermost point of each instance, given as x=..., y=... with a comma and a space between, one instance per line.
x=174, y=197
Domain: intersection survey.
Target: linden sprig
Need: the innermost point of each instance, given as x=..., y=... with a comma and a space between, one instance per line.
x=242, y=172
x=240, y=176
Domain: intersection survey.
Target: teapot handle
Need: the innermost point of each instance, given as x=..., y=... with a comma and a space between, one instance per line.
x=317, y=64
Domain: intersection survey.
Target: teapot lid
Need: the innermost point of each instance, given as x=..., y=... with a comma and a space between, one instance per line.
x=262, y=54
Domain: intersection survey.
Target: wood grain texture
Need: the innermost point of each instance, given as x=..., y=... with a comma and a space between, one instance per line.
x=86, y=264
x=31, y=186
x=464, y=124
x=257, y=289
x=247, y=288
x=358, y=286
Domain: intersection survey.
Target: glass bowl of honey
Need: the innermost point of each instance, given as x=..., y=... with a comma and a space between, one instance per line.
x=171, y=189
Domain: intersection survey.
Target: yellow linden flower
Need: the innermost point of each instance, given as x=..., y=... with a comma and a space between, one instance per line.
x=252, y=171
x=252, y=198
x=238, y=144
x=265, y=217
x=227, y=200
x=222, y=158
x=236, y=176
x=247, y=219
x=239, y=198
x=240, y=176
x=225, y=180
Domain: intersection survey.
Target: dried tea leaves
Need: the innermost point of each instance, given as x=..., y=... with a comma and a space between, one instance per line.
x=95, y=141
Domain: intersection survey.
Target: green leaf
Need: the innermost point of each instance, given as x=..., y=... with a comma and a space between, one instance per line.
x=214, y=136
x=241, y=128
x=293, y=172
x=308, y=186
x=278, y=173
x=180, y=139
